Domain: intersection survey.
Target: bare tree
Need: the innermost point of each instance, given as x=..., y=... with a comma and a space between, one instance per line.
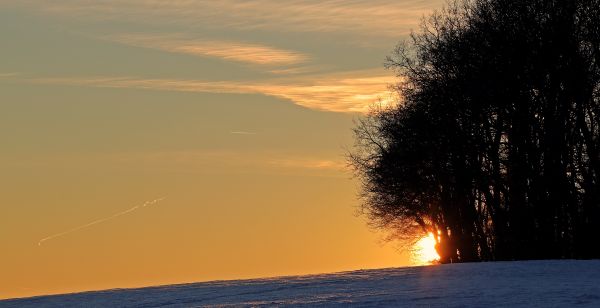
x=494, y=146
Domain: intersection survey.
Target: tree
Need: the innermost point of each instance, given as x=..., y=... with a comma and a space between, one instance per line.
x=494, y=144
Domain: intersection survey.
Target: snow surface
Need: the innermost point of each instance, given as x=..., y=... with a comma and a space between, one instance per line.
x=553, y=283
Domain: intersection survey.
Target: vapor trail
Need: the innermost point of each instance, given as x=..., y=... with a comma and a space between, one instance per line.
x=95, y=222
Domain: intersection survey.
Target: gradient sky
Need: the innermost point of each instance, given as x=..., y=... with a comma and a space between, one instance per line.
x=237, y=112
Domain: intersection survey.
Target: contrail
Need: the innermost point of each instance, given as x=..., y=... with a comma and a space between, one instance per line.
x=95, y=222
x=242, y=133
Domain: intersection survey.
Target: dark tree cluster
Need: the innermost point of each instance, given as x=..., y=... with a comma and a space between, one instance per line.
x=494, y=143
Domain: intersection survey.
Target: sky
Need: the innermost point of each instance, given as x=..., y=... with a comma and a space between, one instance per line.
x=148, y=142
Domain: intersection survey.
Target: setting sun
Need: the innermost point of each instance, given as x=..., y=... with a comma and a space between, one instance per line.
x=424, y=250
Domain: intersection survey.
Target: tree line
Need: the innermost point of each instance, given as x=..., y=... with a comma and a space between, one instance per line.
x=494, y=143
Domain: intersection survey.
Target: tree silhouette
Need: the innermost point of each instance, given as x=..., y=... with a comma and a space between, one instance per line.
x=494, y=144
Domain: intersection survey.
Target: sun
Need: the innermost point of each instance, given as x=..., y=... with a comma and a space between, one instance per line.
x=424, y=250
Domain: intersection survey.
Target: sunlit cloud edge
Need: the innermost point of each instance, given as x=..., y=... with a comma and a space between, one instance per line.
x=342, y=92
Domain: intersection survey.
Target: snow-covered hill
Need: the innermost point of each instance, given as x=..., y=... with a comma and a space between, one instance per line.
x=564, y=283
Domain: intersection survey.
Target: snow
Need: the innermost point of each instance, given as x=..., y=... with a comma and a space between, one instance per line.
x=552, y=283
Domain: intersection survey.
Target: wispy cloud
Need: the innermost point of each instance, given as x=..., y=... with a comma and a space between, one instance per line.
x=7, y=75
x=265, y=161
x=308, y=163
x=304, y=69
x=242, y=133
x=367, y=17
x=200, y=161
x=337, y=92
x=226, y=50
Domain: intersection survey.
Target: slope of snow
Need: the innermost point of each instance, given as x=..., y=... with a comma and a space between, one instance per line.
x=555, y=283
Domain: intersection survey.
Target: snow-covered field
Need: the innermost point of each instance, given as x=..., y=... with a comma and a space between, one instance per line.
x=564, y=283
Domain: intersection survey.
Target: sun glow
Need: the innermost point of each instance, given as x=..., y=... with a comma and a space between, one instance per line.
x=424, y=251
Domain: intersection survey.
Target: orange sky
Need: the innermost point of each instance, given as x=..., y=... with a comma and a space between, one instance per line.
x=238, y=113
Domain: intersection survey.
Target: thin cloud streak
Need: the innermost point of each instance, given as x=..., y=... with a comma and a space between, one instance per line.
x=309, y=164
x=242, y=133
x=226, y=50
x=284, y=162
x=387, y=18
x=98, y=221
x=335, y=93
x=8, y=75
